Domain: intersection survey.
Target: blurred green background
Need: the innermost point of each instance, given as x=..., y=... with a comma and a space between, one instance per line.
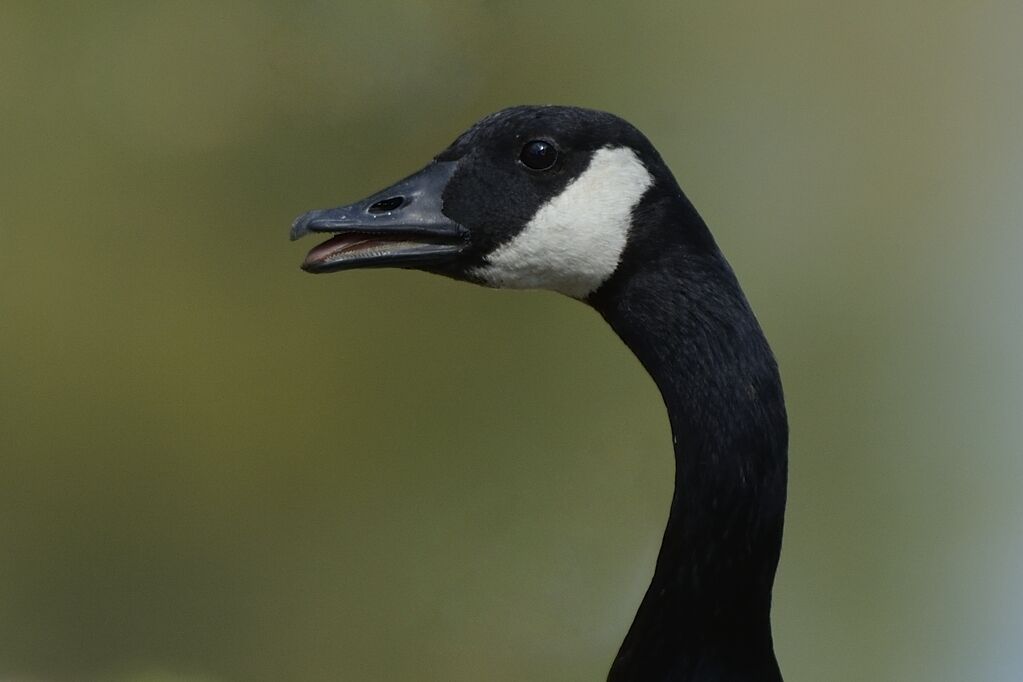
x=217, y=468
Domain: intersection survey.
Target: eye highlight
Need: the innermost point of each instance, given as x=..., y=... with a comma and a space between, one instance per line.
x=538, y=155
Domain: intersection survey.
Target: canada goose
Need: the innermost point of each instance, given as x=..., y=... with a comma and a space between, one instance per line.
x=579, y=202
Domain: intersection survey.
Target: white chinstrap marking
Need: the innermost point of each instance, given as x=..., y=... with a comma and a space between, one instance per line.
x=575, y=241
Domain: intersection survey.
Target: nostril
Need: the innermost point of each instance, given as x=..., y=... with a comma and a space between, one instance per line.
x=385, y=205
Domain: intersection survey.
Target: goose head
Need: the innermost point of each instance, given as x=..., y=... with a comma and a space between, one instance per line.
x=532, y=197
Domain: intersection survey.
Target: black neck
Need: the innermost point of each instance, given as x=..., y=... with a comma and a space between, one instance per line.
x=706, y=615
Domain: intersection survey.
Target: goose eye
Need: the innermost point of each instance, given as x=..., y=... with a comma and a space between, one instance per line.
x=538, y=155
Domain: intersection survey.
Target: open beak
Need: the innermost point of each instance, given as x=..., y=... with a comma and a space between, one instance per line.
x=401, y=226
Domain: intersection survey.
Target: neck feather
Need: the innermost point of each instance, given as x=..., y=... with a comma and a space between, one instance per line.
x=706, y=614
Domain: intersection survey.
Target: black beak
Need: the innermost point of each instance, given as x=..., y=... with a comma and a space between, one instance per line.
x=401, y=226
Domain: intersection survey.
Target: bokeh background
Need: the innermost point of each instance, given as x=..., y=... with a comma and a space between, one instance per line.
x=216, y=468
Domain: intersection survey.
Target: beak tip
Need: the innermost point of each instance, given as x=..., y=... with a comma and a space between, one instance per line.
x=299, y=227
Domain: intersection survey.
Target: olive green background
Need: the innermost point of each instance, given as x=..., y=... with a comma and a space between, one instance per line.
x=217, y=468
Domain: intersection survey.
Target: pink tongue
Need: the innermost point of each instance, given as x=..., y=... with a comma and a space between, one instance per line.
x=336, y=244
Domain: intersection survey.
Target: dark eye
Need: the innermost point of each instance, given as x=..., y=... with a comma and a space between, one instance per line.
x=539, y=155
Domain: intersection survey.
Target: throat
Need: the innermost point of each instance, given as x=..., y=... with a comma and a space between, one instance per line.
x=706, y=614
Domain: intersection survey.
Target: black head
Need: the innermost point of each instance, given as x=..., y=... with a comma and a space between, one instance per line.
x=529, y=197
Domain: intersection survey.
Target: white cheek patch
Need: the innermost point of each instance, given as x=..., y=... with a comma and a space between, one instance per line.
x=575, y=241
